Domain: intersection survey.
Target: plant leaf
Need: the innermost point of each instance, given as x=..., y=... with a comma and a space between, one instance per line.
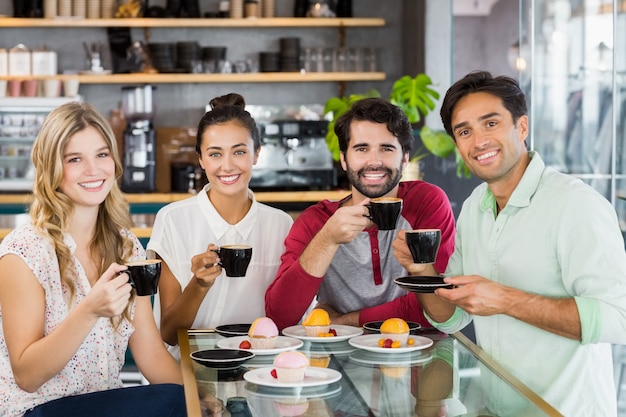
x=338, y=106
x=439, y=143
x=414, y=96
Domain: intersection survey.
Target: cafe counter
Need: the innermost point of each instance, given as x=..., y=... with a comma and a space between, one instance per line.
x=143, y=207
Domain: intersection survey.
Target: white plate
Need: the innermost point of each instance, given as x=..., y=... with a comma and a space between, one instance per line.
x=283, y=343
x=340, y=348
x=398, y=359
x=313, y=376
x=322, y=391
x=370, y=342
x=343, y=333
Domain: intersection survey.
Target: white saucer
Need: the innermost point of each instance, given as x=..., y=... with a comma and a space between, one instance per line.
x=320, y=391
x=283, y=343
x=313, y=376
x=399, y=359
x=370, y=342
x=343, y=333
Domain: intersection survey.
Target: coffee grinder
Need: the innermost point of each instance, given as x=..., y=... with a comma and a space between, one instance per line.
x=139, y=140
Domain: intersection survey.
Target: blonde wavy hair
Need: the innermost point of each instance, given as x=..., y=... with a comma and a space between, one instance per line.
x=51, y=210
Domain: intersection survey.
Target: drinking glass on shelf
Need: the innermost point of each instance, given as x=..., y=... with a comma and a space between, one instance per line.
x=341, y=58
x=319, y=60
x=329, y=58
x=370, y=60
x=308, y=59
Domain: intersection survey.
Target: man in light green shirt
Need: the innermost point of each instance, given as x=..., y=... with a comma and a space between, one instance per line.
x=539, y=260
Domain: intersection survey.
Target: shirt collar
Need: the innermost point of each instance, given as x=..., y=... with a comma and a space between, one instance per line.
x=525, y=189
x=219, y=226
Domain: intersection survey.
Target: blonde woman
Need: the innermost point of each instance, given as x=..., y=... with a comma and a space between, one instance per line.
x=66, y=308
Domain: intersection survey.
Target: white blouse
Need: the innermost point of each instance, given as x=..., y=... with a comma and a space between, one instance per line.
x=185, y=228
x=97, y=364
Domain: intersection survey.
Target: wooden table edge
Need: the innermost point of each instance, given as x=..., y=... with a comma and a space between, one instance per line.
x=189, y=378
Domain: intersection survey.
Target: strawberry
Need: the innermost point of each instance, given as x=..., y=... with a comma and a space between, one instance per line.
x=245, y=345
x=273, y=374
x=388, y=343
x=333, y=331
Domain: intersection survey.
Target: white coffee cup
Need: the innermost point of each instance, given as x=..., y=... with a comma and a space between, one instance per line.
x=70, y=87
x=52, y=88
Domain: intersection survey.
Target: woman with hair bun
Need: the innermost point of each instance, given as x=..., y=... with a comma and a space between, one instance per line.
x=67, y=311
x=194, y=291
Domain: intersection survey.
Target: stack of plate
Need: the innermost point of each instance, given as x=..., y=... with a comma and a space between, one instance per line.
x=49, y=11
x=64, y=8
x=108, y=9
x=268, y=8
x=93, y=9
x=290, y=54
x=79, y=8
x=163, y=56
x=236, y=9
x=269, y=61
x=186, y=53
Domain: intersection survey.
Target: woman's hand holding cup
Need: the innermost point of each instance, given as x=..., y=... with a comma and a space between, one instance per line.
x=206, y=266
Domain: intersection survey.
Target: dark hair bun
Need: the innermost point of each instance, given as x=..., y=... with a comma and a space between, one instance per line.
x=231, y=99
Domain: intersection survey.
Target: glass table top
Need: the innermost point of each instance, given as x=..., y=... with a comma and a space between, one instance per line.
x=452, y=377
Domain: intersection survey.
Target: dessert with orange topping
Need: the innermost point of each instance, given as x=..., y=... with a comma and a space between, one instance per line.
x=317, y=323
x=395, y=329
x=263, y=333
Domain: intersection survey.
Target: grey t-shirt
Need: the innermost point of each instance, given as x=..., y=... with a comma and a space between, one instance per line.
x=349, y=283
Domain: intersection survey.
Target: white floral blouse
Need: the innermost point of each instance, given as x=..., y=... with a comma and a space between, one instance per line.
x=97, y=364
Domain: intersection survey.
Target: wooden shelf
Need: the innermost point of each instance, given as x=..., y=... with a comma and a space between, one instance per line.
x=165, y=198
x=277, y=22
x=261, y=77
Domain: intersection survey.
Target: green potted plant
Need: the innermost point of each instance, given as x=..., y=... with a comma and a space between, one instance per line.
x=416, y=97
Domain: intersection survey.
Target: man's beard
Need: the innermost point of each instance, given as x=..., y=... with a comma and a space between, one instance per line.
x=373, y=191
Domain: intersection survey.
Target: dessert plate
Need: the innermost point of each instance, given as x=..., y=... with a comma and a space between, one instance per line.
x=273, y=393
x=339, y=348
x=398, y=359
x=320, y=391
x=313, y=376
x=230, y=330
x=422, y=284
x=370, y=342
x=283, y=343
x=343, y=333
x=374, y=326
x=221, y=358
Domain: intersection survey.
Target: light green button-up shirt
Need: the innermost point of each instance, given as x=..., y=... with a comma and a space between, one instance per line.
x=559, y=238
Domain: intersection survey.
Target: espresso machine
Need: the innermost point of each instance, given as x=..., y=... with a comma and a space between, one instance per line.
x=139, y=140
x=294, y=156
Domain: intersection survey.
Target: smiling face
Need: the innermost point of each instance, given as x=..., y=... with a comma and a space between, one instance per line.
x=490, y=143
x=373, y=160
x=227, y=156
x=88, y=168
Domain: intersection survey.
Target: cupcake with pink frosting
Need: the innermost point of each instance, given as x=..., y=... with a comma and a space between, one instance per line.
x=290, y=366
x=263, y=333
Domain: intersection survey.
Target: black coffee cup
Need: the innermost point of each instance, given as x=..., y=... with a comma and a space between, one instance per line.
x=235, y=259
x=144, y=276
x=384, y=211
x=423, y=244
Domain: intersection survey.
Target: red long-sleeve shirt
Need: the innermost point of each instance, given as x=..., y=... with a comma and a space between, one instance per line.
x=425, y=206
